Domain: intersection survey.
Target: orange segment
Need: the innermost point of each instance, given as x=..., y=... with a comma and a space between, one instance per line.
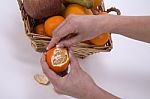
x=51, y=23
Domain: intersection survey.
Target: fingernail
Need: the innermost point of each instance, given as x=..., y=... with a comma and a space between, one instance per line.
x=59, y=45
x=47, y=48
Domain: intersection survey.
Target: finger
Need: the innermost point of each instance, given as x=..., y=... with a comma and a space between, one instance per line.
x=70, y=42
x=60, y=33
x=73, y=61
x=47, y=71
x=53, y=42
x=59, y=27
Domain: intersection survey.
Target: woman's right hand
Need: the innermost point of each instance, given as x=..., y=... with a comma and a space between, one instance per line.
x=84, y=26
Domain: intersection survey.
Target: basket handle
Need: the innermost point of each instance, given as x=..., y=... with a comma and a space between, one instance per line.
x=114, y=10
x=20, y=4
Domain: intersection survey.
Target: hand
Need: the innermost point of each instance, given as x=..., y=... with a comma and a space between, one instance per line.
x=89, y=26
x=84, y=26
x=76, y=83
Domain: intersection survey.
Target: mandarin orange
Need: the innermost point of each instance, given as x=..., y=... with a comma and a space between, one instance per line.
x=51, y=24
x=57, y=59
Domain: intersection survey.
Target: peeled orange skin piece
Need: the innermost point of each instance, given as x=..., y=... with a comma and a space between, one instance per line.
x=61, y=58
x=52, y=23
x=101, y=39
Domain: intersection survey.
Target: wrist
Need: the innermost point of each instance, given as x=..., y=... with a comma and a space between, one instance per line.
x=109, y=23
x=102, y=94
x=90, y=93
x=112, y=23
x=103, y=23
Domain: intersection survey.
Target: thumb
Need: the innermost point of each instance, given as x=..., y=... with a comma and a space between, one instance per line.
x=53, y=77
x=53, y=42
x=73, y=61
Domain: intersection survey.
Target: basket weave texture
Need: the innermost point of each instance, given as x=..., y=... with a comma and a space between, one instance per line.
x=40, y=42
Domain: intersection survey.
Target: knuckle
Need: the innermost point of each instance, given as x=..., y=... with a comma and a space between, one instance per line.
x=67, y=43
x=54, y=40
x=54, y=33
x=71, y=42
x=71, y=19
x=75, y=40
x=58, y=88
x=58, y=91
x=70, y=16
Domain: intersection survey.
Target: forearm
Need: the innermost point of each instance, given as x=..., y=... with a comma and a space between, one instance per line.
x=135, y=27
x=98, y=93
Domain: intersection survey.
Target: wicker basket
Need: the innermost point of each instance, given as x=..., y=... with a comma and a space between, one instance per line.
x=40, y=42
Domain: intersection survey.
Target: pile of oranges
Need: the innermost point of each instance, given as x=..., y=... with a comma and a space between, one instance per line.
x=51, y=23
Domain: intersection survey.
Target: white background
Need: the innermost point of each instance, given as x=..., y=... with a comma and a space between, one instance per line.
x=125, y=71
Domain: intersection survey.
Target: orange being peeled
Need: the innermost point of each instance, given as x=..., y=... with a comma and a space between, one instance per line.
x=51, y=23
x=57, y=59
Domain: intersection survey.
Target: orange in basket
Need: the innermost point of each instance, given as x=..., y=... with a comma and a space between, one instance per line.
x=96, y=2
x=101, y=40
x=40, y=29
x=77, y=10
x=51, y=23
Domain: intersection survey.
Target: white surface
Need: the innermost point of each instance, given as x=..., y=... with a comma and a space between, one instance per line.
x=125, y=71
